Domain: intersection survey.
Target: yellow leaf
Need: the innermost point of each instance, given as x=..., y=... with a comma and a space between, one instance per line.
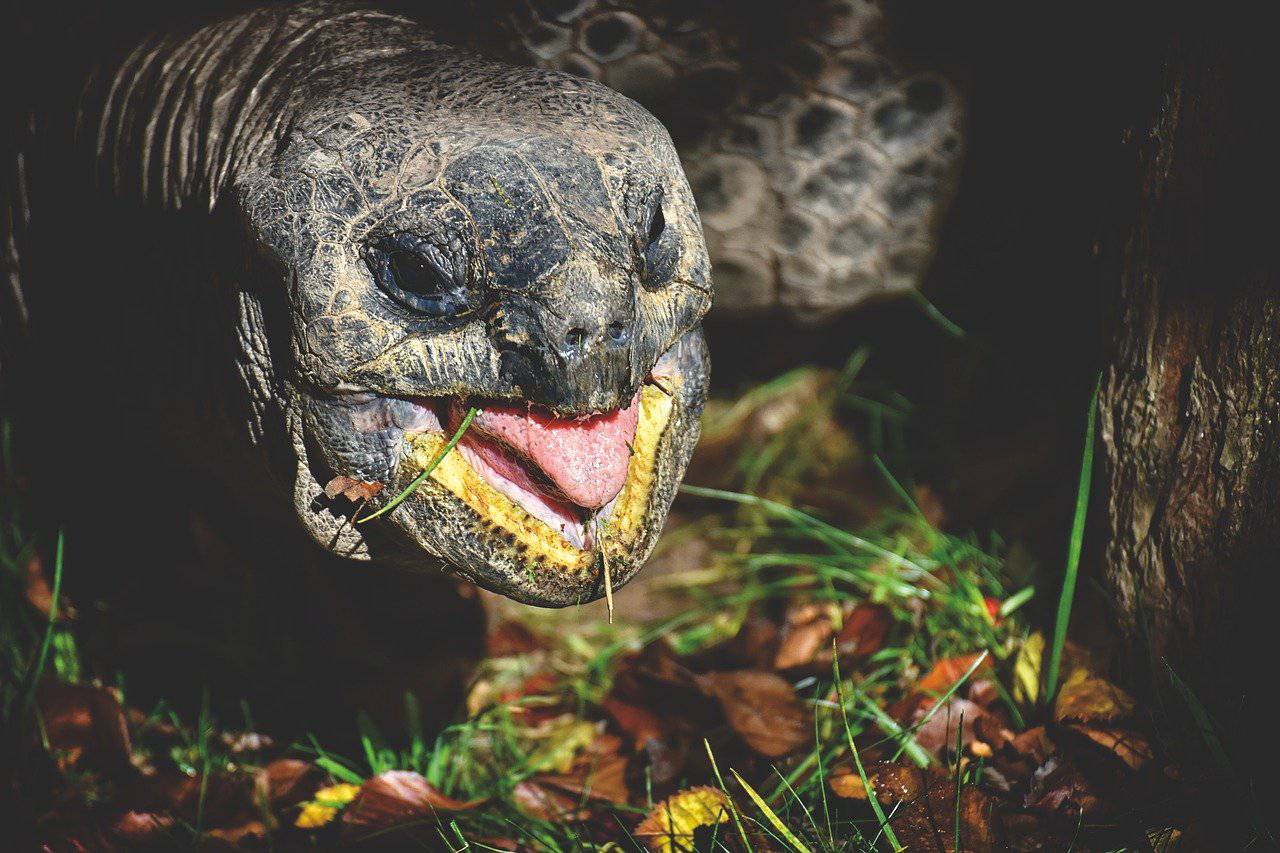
x=669, y=828
x=561, y=746
x=1089, y=699
x=1026, y=670
x=324, y=807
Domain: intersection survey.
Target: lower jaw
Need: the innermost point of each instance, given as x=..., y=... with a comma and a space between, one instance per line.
x=574, y=523
x=544, y=531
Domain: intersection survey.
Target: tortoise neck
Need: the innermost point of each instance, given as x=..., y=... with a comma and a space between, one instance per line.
x=181, y=116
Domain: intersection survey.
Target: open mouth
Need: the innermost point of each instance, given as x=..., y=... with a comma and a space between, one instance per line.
x=565, y=472
x=563, y=489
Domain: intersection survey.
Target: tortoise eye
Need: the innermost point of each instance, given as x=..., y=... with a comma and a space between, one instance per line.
x=417, y=276
x=657, y=224
x=659, y=248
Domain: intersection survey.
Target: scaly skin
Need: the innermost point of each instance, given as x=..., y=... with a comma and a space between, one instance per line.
x=312, y=132
x=315, y=133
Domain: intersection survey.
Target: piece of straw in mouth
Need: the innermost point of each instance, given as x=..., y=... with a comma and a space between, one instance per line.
x=604, y=562
x=426, y=472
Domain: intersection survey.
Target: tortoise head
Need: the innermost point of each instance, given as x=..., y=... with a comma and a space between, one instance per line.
x=455, y=235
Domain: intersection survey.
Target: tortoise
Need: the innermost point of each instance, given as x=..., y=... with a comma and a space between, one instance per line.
x=268, y=261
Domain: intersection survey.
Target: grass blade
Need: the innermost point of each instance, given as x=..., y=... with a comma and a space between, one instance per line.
x=1050, y=686
x=733, y=809
x=426, y=472
x=857, y=760
x=33, y=675
x=770, y=814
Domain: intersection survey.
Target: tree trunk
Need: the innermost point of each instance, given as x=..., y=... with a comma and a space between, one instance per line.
x=1190, y=402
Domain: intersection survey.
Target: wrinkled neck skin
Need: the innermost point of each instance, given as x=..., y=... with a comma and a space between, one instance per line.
x=182, y=116
x=172, y=127
x=246, y=145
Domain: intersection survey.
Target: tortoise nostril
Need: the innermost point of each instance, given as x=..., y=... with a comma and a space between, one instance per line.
x=617, y=332
x=575, y=338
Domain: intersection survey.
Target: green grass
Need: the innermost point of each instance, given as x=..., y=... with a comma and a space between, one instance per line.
x=900, y=562
x=1049, y=688
x=768, y=551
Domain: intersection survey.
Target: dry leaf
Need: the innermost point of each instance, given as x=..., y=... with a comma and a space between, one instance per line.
x=286, y=782
x=543, y=802
x=946, y=673
x=847, y=784
x=599, y=773
x=1034, y=743
x=352, y=489
x=1058, y=787
x=85, y=724
x=1086, y=698
x=864, y=632
x=940, y=731
x=395, y=798
x=38, y=593
x=671, y=825
x=138, y=829
x=924, y=804
x=637, y=722
x=761, y=708
x=1130, y=747
x=803, y=640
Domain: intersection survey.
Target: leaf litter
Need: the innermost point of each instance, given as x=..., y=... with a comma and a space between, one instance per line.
x=865, y=680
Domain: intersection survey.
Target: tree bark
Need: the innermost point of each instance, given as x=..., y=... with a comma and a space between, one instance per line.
x=1190, y=402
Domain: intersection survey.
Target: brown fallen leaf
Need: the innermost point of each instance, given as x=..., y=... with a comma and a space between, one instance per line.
x=672, y=824
x=938, y=733
x=138, y=829
x=544, y=802
x=598, y=773
x=85, y=724
x=1058, y=787
x=241, y=835
x=285, y=782
x=984, y=692
x=351, y=489
x=990, y=729
x=864, y=632
x=640, y=724
x=395, y=798
x=753, y=647
x=1130, y=747
x=1087, y=698
x=37, y=590
x=847, y=784
x=761, y=708
x=808, y=631
x=1034, y=743
x=930, y=505
x=924, y=807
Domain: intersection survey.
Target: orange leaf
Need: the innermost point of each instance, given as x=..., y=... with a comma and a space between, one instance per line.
x=947, y=672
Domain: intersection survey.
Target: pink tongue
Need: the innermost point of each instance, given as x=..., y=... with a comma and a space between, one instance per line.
x=586, y=458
